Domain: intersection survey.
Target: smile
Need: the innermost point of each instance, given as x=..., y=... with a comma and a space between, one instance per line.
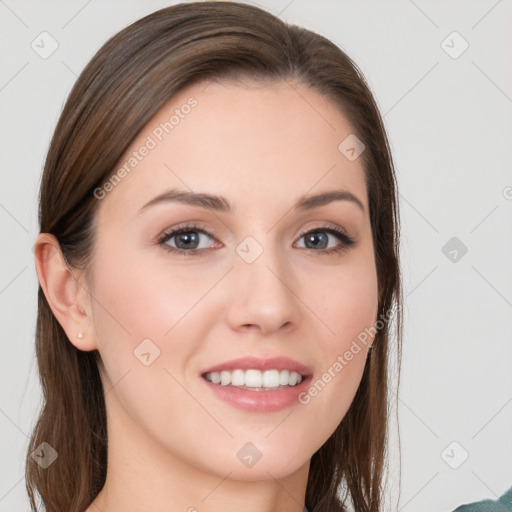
x=258, y=384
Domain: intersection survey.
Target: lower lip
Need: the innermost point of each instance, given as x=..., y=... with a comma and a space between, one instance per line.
x=259, y=401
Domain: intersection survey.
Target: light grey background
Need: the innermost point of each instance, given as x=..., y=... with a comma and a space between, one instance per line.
x=449, y=123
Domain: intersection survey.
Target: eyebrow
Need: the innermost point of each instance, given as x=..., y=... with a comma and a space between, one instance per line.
x=221, y=204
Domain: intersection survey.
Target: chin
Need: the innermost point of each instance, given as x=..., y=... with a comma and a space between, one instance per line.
x=275, y=467
x=266, y=459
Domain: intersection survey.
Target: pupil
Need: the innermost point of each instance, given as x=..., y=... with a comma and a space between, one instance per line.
x=187, y=238
x=314, y=239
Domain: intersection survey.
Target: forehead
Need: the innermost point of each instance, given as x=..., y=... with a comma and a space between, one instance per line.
x=253, y=142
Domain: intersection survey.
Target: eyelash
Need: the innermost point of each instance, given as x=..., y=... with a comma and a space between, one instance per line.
x=346, y=240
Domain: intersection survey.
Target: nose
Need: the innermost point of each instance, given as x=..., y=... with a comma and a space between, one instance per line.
x=262, y=296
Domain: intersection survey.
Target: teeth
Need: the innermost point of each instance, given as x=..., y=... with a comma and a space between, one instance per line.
x=225, y=378
x=271, y=379
x=237, y=378
x=255, y=378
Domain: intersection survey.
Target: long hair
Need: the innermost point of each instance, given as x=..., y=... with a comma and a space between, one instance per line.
x=128, y=80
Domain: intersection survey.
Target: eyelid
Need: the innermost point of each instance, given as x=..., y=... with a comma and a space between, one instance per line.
x=182, y=227
x=326, y=226
x=346, y=241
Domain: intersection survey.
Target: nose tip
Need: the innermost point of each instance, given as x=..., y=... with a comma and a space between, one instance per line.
x=261, y=299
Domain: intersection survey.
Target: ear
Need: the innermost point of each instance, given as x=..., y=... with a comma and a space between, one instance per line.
x=68, y=298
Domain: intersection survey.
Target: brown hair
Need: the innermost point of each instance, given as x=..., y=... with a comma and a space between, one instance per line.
x=128, y=80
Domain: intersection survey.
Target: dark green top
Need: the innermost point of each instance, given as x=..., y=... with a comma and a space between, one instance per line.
x=502, y=504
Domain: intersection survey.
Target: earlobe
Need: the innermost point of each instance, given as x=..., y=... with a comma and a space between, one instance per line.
x=67, y=298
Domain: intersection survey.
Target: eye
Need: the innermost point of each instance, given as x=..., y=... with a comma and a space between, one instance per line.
x=319, y=238
x=187, y=240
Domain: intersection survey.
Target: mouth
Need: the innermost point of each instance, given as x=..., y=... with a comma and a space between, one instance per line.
x=258, y=384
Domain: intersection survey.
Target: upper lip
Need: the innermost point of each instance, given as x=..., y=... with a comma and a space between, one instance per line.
x=262, y=364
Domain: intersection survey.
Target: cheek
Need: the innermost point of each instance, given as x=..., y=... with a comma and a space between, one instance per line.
x=150, y=321
x=147, y=323
x=347, y=308
x=345, y=301
x=137, y=301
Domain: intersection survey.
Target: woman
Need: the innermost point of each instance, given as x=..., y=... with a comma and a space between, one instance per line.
x=218, y=268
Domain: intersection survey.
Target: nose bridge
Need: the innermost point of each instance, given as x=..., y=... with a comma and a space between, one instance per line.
x=262, y=293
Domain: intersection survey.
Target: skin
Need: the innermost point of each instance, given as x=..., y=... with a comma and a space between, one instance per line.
x=172, y=442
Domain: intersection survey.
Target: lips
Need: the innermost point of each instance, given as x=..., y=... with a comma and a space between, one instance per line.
x=258, y=399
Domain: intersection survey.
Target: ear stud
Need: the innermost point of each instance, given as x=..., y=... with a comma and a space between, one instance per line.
x=80, y=335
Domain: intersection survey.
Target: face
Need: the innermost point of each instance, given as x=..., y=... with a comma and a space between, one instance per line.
x=184, y=285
